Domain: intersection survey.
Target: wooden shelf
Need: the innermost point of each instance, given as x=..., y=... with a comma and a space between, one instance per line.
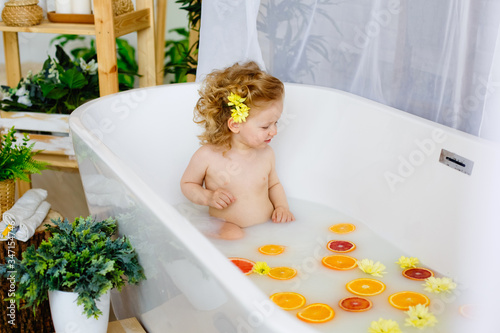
x=53, y=28
x=107, y=28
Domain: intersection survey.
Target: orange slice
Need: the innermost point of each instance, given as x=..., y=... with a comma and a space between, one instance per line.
x=342, y=228
x=282, y=273
x=339, y=262
x=340, y=246
x=316, y=313
x=288, y=300
x=417, y=273
x=355, y=304
x=365, y=287
x=271, y=250
x=245, y=265
x=404, y=299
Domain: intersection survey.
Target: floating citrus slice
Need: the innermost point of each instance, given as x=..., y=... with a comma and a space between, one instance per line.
x=271, y=250
x=343, y=228
x=339, y=262
x=316, y=313
x=404, y=299
x=340, y=246
x=282, y=273
x=355, y=304
x=245, y=265
x=365, y=287
x=417, y=273
x=288, y=300
x=469, y=311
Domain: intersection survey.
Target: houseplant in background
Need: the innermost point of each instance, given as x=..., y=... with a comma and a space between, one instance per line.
x=66, y=81
x=16, y=162
x=60, y=87
x=180, y=56
x=79, y=264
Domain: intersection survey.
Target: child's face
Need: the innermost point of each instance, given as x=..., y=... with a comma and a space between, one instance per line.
x=261, y=125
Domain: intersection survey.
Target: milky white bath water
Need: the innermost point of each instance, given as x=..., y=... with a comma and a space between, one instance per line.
x=305, y=243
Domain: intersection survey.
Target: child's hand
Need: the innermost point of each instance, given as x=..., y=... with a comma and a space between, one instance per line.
x=282, y=214
x=221, y=199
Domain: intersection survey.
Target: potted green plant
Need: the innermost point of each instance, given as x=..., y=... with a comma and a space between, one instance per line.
x=60, y=87
x=16, y=162
x=81, y=258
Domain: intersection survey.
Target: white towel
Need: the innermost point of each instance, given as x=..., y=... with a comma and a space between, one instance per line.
x=25, y=206
x=28, y=226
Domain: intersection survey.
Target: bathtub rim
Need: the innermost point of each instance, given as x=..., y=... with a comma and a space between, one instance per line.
x=248, y=294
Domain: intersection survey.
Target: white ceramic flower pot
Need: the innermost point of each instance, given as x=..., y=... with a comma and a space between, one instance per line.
x=68, y=317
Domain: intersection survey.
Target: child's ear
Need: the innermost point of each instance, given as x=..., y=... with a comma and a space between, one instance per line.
x=233, y=126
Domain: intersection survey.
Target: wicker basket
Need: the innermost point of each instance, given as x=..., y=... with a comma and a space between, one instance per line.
x=7, y=195
x=122, y=7
x=22, y=13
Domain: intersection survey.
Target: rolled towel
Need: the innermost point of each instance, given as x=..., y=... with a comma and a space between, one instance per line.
x=28, y=227
x=25, y=206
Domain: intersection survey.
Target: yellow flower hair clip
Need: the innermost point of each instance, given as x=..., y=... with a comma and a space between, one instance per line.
x=240, y=110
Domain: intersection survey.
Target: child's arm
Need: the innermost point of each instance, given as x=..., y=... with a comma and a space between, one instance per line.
x=192, y=183
x=277, y=196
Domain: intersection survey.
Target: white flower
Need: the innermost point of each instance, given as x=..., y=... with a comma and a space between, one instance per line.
x=22, y=91
x=6, y=94
x=25, y=99
x=53, y=72
x=90, y=67
x=29, y=76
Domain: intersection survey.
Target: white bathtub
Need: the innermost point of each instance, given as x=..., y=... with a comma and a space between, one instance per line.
x=374, y=163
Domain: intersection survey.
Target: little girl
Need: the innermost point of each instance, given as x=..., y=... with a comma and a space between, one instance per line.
x=234, y=171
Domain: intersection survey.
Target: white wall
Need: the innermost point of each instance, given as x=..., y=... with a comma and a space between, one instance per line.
x=35, y=47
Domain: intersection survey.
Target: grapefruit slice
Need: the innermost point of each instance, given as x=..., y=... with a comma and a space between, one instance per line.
x=243, y=264
x=417, y=273
x=342, y=228
x=271, y=249
x=404, y=299
x=339, y=262
x=288, y=300
x=316, y=313
x=365, y=287
x=340, y=246
x=355, y=304
x=282, y=273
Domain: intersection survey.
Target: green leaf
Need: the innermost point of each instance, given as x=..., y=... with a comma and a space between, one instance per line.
x=63, y=59
x=73, y=78
x=54, y=91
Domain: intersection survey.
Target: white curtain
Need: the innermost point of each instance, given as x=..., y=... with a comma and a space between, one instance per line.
x=439, y=60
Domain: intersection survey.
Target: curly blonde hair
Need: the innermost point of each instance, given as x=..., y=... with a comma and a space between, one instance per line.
x=246, y=80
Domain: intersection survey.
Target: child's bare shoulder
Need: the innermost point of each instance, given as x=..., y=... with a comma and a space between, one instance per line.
x=206, y=151
x=268, y=152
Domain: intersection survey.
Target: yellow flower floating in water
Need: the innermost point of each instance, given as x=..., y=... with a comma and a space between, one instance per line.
x=384, y=326
x=407, y=262
x=438, y=285
x=420, y=317
x=261, y=268
x=240, y=111
x=369, y=267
